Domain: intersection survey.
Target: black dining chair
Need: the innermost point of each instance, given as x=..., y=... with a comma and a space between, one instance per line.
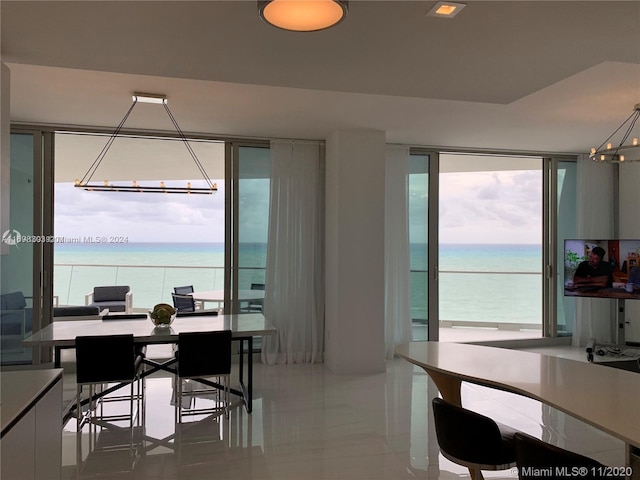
x=473, y=440
x=534, y=456
x=186, y=290
x=140, y=349
x=201, y=355
x=103, y=360
x=183, y=303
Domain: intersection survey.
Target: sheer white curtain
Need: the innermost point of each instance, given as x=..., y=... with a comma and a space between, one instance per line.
x=396, y=250
x=294, y=291
x=594, y=221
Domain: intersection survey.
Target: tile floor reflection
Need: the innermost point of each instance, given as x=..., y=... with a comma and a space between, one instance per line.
x=311, y=424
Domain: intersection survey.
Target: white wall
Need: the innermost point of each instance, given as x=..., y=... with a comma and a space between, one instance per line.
x=355, y=181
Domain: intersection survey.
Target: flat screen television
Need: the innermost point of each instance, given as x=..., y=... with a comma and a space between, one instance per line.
x=602, y=268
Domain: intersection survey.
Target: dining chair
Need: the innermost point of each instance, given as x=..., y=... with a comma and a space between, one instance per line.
x=140, y=349
x=473, y=440
x=201, y=355
x=534, y=455
x=103, y=360
x=186, y=290
x=255, y=305
x=183, y=303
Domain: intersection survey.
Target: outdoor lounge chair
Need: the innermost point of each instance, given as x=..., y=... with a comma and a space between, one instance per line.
x=113, y=298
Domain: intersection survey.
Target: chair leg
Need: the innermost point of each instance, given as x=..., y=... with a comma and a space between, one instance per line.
x=476, y=474
x=79, y=407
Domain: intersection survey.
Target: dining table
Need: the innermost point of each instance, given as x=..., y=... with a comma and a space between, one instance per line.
x=244, y=327
x=217, y=296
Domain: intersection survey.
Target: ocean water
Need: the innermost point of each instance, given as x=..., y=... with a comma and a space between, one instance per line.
x=487, y=283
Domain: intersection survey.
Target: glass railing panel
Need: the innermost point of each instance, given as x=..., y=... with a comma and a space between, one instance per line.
x=149, y=284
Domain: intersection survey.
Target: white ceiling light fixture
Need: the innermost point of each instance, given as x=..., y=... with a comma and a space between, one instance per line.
x=622, y=152
x=159, y=99
x=303, y=15
x=446, y=9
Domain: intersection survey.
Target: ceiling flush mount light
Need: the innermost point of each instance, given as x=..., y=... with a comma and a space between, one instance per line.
x=622, y=152
x=105, y=186
x=303, y=15
x=446, y=9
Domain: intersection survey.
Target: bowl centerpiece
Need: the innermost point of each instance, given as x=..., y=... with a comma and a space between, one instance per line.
x=163, y=315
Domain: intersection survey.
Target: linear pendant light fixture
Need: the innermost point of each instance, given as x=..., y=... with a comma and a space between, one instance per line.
x=621, y=153
x=160, y=99
x=303, y=15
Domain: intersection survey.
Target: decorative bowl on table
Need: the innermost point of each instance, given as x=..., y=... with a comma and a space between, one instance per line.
x=163, y=315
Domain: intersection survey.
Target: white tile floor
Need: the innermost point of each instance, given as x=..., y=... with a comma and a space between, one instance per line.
x=310, y=424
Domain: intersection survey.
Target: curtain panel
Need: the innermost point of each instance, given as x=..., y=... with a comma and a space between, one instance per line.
x=294, y=287
x=594, y=221
x=396, y=246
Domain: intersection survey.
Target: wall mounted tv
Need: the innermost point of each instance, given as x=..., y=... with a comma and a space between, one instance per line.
x=602, y=268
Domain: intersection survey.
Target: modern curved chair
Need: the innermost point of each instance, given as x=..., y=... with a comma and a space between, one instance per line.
x=534, y=456
x=473, y=440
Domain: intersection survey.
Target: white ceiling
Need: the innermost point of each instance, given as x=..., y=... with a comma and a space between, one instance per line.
x=519, y=75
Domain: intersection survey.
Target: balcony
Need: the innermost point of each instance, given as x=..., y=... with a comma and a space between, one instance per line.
x=474, y=306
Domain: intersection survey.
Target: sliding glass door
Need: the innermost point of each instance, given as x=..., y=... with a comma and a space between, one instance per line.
x=20, y=297
x=419, y=243
x=490, y=247
x=151, y=242
x=253, y=166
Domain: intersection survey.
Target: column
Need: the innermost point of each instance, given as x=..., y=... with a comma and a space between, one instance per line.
x=354, y=286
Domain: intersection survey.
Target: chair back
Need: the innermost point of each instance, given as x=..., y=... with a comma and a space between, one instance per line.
x=187, y=289
x=536, y=454
x=105, y=358
x=110, y=294
x=467, y=436
x=202, y=354
x=184, y=303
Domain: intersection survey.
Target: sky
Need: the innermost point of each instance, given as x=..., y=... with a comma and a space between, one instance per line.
x=139, y=217
x=481, y=207
x=477, y=207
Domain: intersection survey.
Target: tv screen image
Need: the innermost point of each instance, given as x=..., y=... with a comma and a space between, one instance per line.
x=602, y=268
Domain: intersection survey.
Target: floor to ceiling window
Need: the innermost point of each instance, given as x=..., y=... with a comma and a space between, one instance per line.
x=490, y=247
x=419, y=243
x=151, y=242
x=19, y=299
x=566, y=228
x=253, y=224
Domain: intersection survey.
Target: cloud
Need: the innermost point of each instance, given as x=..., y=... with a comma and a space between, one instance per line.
x=144, y=217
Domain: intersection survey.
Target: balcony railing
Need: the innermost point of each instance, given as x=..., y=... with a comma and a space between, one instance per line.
x=150, y=284
x=505, y=300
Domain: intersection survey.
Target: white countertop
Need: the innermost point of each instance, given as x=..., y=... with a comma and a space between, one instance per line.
x=19, y=389
x=604, y=397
